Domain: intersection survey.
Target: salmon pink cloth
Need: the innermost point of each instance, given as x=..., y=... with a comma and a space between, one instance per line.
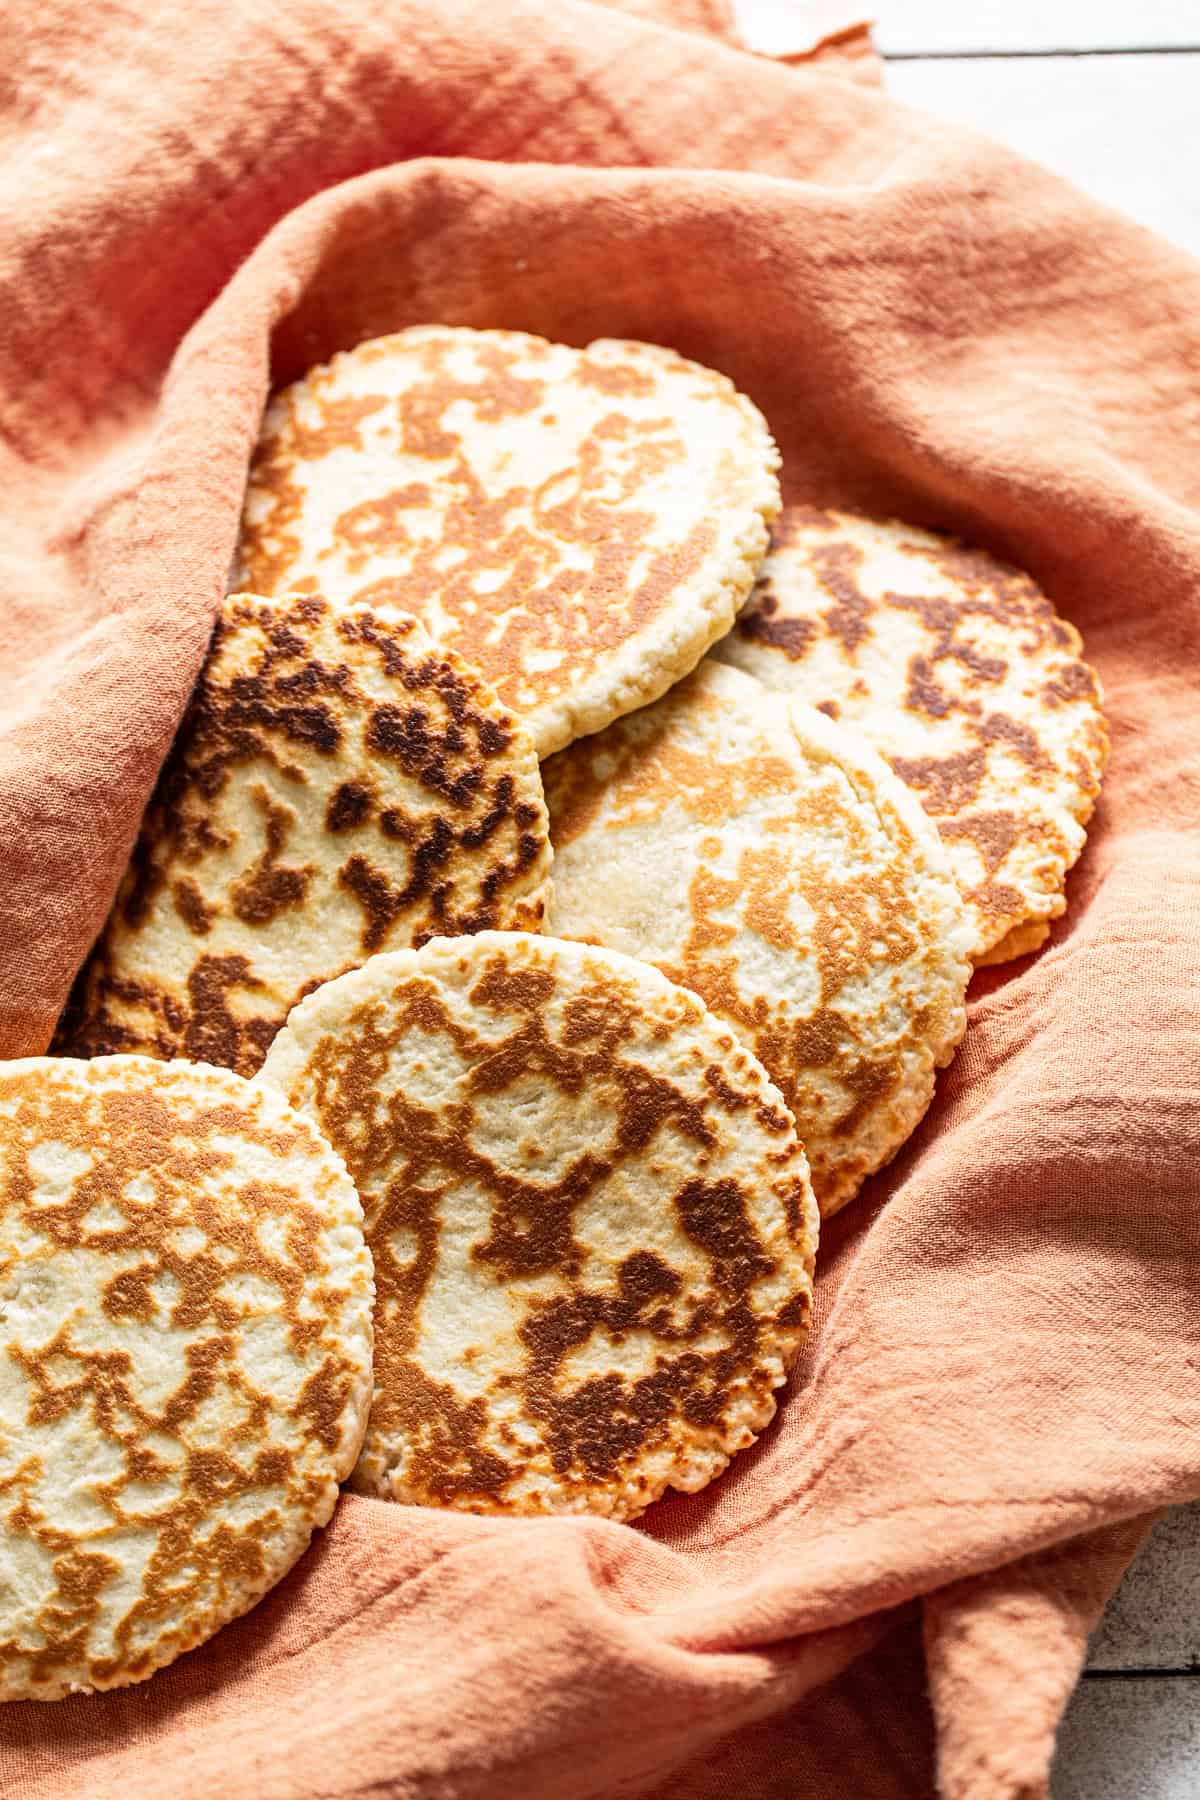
x=890, y=1596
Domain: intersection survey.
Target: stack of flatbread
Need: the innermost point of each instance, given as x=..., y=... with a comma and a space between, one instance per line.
x=558, y=897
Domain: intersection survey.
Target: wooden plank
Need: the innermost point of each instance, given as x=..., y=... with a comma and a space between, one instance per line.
x=1005, y=27
x=948, y=27
x=1122, y=127
x=1153, y=1619
x=1135, y=1739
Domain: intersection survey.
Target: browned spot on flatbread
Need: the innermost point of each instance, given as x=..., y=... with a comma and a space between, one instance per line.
x=793, y=636
x=381, y=521
x=404, y=733
x=945, y=783
x=271, y=887
x=998, y=728
x=1073, y=681
x=795, y=518
x=614, y=378
x=213, y=1032
x=349, y=805
x=835, y=566
x=381, y=900
x=339, y=426
x=942, y=619
x=191, y=906
x=925, y=695
x=993, y=834
x=607, y=1420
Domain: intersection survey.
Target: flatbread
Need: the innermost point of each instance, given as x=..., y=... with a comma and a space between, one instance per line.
x=580, y=524
x=185, y=1360
x=771, y=862
x=592, y=1224
x=959, y=670
x=339, y=786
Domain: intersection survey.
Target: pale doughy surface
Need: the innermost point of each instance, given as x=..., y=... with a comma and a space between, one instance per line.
x=958, y=669
x=579, y=524
x=185, y=1359
x=768, y=860
x=592, y=1225
x=339, y=785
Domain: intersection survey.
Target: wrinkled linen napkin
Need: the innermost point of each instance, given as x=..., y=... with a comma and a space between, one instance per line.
x=890, y=1595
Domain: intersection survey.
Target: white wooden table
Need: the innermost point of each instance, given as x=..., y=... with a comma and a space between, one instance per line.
x=1107, y=93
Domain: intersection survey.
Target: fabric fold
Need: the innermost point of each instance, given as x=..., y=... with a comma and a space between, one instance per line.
x=1003, y=1653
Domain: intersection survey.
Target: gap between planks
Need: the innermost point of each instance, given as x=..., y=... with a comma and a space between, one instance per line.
x=899, y=56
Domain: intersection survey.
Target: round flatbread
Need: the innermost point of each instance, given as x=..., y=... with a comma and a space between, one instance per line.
x=592, y=1223
x=185, y=1360
x=340, y=785
x=959, y=670
x=580, y=524
x=772, y=863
